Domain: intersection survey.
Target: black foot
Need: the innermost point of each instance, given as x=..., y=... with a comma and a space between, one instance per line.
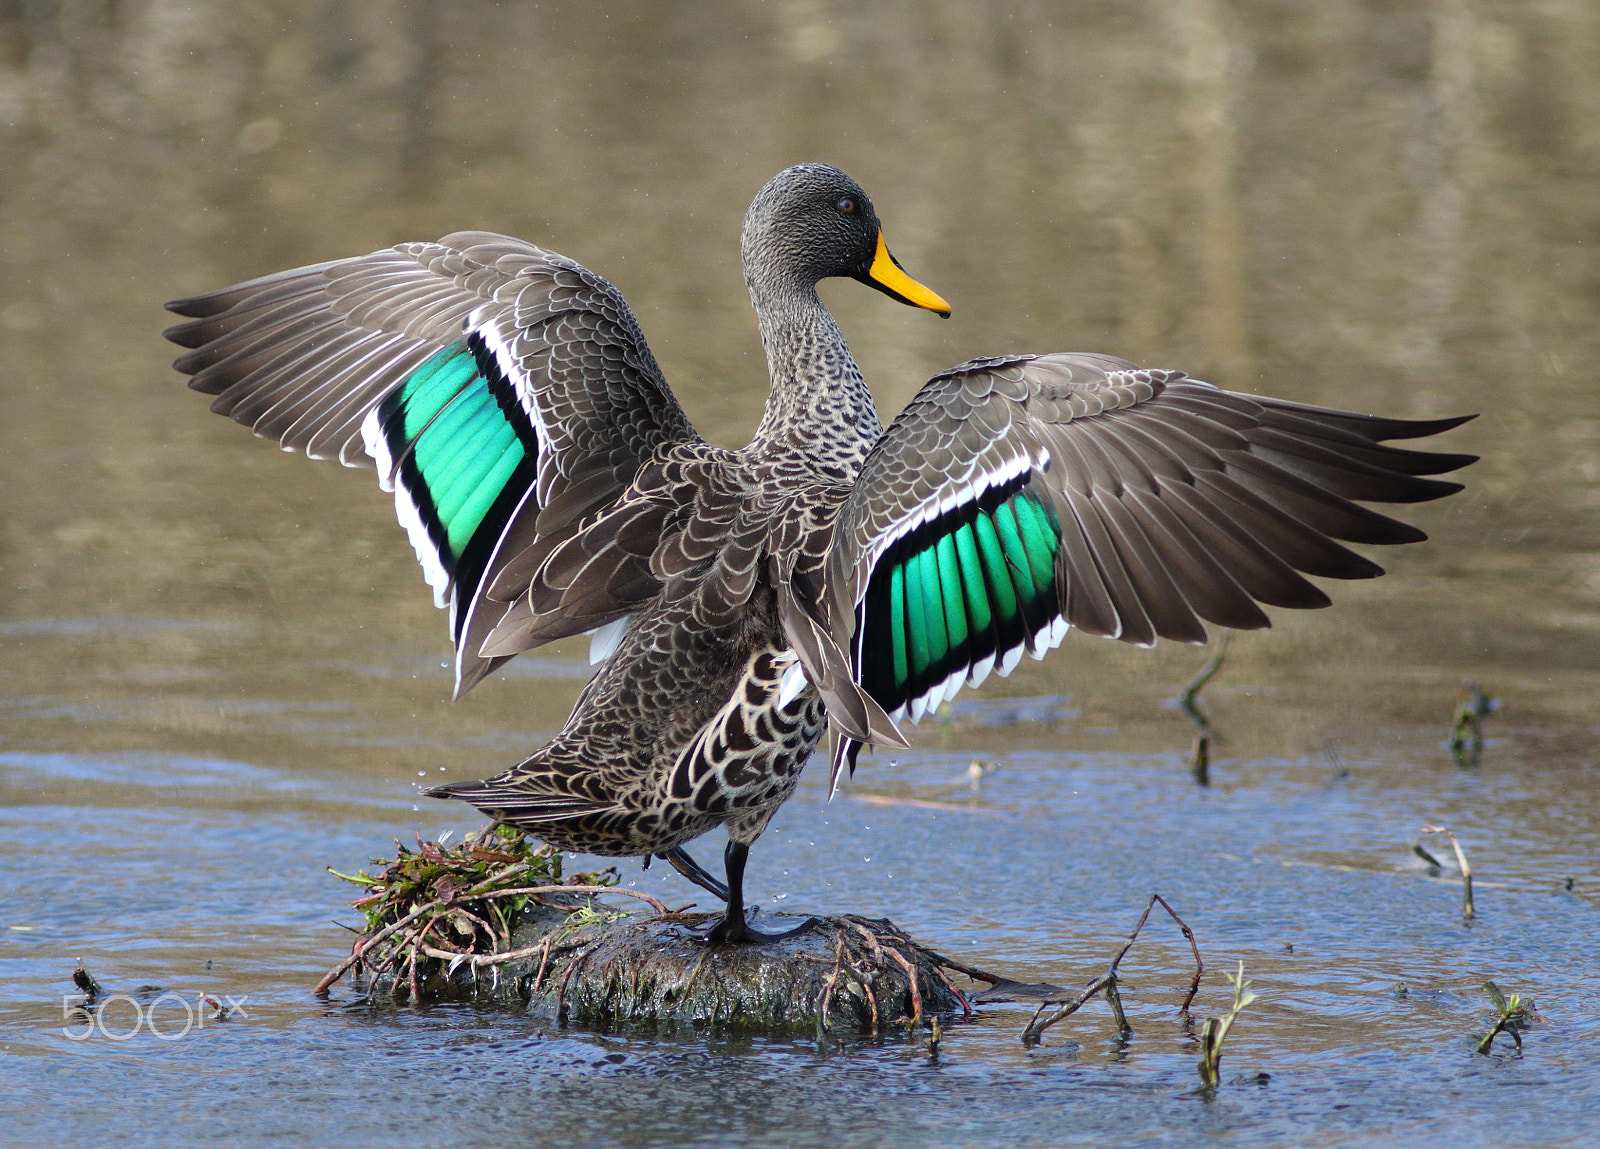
x=692, y=870
x=730, y=931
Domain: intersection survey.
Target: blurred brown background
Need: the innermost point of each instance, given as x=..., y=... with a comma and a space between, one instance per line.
x=1384, y=206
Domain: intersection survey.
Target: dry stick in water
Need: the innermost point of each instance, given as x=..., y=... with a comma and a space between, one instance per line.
x=864, y=983
x=1468, y=910
x=1107, y=982
x=479, y=961
x=880, y=951
x=970, y=971
x=1200, y=760
x=1189, y=702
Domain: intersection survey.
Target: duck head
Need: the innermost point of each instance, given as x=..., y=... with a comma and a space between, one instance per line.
x=811, y=222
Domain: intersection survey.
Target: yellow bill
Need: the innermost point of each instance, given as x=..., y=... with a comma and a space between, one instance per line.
x=886, y=274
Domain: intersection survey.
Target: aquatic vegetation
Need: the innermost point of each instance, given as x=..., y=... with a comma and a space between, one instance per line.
x=456, y=903
x=1189, y=700
x=86, y=983
x=1512, y=1015
x=1466, y=737
x=1216, y=1029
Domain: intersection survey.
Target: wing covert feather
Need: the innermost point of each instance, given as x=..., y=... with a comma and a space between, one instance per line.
x=535, y=366
x=1086, y=491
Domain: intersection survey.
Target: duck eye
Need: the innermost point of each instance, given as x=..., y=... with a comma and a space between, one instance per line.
x=846, y=205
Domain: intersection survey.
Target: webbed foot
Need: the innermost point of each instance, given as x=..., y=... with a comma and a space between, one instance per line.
x=737, y=931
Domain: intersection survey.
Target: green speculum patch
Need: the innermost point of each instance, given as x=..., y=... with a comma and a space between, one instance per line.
x=979, y=581
x=464, y=447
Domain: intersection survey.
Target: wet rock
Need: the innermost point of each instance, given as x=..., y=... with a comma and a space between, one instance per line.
x=842, y=973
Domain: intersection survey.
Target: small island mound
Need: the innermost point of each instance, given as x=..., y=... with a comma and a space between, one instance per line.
x=492, y=919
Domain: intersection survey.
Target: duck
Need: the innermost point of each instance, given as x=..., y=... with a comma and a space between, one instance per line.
x=832, y=577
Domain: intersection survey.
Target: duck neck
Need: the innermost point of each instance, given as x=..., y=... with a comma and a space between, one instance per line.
x=819, y=408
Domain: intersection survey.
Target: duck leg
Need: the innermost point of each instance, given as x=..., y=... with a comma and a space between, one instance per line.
x=694, y=871
x=733, y=929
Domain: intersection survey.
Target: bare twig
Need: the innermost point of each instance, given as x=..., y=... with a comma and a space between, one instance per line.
x=872, y=940
x=545, y=949
x=833, y=980
x=911, y=980
x=361, y=947
x=1468, y=910
x=1106, y=983
x=1199, y=966
x=966, y=1006
x=1114, y=1000
x=970, y=971
x=1037, y=1025
x=479, y=961
x=872, y=998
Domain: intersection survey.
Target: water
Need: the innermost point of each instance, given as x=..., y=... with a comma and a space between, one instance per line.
x=219, y=672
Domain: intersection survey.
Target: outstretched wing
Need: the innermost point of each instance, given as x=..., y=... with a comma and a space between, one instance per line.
x=504, y=392
x=1017, y=497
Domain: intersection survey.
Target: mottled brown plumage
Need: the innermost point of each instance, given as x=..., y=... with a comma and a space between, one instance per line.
x=830, y=572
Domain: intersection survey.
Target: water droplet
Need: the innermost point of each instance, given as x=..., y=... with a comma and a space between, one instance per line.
x=422, y=773
x=415, y=807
